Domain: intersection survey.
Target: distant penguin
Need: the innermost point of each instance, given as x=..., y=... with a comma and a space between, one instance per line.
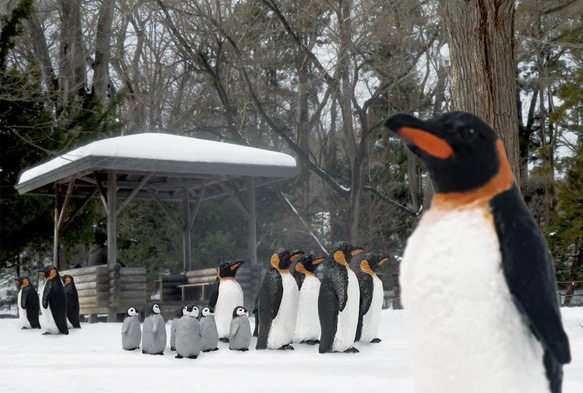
x=307, y=329
x=153, y=331
x=338, y=301
x=28, y=304
x=131, y=334
x=278, y=303
x=54, y=302
x=478, y=284
x=240, y=330
x=226, y=294
x=72, y=301
x=178, y=313
x=208, y=329
x=371, y=296
x=188, y=335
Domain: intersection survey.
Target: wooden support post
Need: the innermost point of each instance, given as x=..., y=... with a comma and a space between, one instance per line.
x=186, y=252
x=111, y=217
x=57, y=231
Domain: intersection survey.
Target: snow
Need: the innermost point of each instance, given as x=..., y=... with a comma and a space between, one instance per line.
x=91, y=359
x=168, y=147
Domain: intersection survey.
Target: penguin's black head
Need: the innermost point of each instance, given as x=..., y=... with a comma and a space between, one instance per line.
x=207, y=311
x=461, y=152
x=239, y=311
x=179, y=312
x=22, y=282
x=308, y=263
x=370, y=262
x=130, y=312
x=283, y=258
x=152, y=308
x=68, y=280
x=229, y=269
x=50, y=273
x=191, y=310
x=343, y=252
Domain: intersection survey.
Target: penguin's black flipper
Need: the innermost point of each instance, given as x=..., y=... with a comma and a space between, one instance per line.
x=530, y=276
x=214, y=293
x=47, y=294
x=328, y=314
x=365, y=283
x=32, y=306
x=270, y=295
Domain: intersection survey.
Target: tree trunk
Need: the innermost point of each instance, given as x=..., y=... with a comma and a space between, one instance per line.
x=480, y=35
x=102, y=50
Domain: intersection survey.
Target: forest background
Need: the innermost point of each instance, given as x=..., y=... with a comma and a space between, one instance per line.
x=315, y=79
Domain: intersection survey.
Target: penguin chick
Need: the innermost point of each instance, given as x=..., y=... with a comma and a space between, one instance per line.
x=28, y=304
x=476, y=275
x=131, y=334
x=153, y=331
x=188, y=335
x=178, y=313
x=240, y=330
x=208, y=329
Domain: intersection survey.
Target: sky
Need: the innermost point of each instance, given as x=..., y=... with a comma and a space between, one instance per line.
x=91, y=359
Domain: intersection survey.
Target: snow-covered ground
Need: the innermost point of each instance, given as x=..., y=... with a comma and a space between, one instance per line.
x=91, y=360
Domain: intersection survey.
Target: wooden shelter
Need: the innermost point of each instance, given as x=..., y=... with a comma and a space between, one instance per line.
x=159, y=167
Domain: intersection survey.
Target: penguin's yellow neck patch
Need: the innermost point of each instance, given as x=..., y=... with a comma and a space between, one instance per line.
x=339, y=257
x=25, y=283
x=300, y=268
x=365, y=267
x=52, y=275
x=67, y=281
x=502, y=181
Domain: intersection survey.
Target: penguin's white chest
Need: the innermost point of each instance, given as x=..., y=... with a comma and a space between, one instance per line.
x=283, y=325
x=230, y=296
x=465, y=333
x=372, y=319
x=22, y=312
x=49, y=320
x=348, y=318
x=308, y=321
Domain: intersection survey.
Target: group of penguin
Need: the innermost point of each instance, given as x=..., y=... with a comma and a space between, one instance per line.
x=342, y=308
x=292, y=306
x=59, y=302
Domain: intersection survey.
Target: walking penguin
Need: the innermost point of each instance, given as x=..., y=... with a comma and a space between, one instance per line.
x=338, y=301
x=28, y=304
x=371, y=296
x=53, y=302
x=188, y=336
x=307, y=329
x=72, y=300
x=153, y=331
x=477, y=279
x=240, y=330
x=278, y=303
x=208, y=329
x=226, y=294
x=131, y=334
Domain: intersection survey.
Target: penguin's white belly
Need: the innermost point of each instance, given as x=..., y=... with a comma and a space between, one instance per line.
x=348, y=318
x=22, y=313
x=230, y=296
x=283, y=325
x=50, y=324
x=308, y=321
x=464, y=331
x=372, y=319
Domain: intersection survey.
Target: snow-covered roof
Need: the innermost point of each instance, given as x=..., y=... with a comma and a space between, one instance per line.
x=168, y=155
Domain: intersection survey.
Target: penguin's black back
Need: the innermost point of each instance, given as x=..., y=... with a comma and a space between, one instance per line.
x=30, y=302
x=72, y=302
x=270, y=295
x=331, y=300
x=54, y=296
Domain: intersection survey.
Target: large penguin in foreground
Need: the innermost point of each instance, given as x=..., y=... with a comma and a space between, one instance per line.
x=478, y=286
x=72, y=300
x=28, y=304
x=226, y=294
x=153, y=331
x=371, y=296
x=307, y=324
x=278, y=303
x=54, y=302
x=338, y=301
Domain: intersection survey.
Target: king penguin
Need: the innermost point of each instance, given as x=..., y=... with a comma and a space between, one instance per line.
x=239, y=330
x=178, y=313
x=226, y=294
x=208, y=330
x=131, y=334
x=28, y=304
x=478, y=285
x=338, y=301
x=371, y=296
x=72, y=300
x=153, y=331
x=307, y=329
x=278, y=303
x=188, y=335
x=54, y=302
